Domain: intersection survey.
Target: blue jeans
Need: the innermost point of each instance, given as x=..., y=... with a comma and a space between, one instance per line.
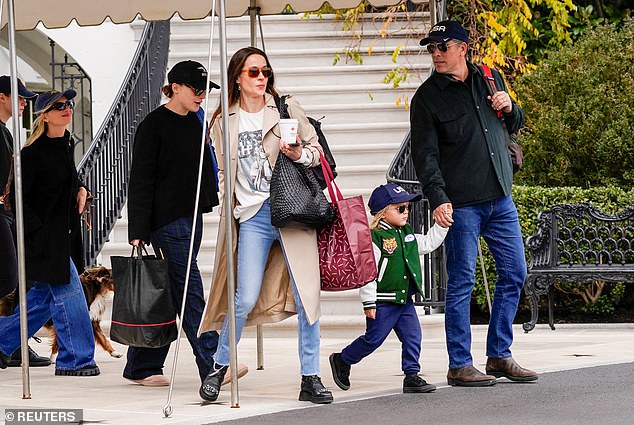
x=255, y=238
x=173, y=240
x=497, y=222
x=66, y=305
x=404, y=320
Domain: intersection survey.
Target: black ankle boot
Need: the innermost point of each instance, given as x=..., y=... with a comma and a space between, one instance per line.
x=210, y=388
x=314, y=391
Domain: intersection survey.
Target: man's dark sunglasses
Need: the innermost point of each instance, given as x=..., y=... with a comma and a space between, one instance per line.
x=431, y=47
x=60, y=106
x=197, y=92
x=254, y=71
x=401, y=208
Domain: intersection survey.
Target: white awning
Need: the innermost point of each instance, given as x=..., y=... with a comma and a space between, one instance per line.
x=58, y=14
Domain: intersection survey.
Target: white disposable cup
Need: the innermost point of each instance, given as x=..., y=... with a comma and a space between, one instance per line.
x=288, y=130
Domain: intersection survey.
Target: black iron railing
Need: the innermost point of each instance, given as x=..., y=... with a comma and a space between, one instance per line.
x=402, y=172
x=106, y=166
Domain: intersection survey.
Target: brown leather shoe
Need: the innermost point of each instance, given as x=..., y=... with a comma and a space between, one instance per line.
x=508, y=368
x=469, y=376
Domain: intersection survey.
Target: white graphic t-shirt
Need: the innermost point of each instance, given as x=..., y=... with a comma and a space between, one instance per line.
x=254, y=169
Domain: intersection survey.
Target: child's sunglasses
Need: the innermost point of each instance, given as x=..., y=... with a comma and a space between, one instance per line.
x=402, y=208
x=254, y=71
x=431, y=47
x=60, y=106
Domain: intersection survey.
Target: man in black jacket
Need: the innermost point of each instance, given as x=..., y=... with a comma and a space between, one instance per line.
x=8, y=249
x=461, y=159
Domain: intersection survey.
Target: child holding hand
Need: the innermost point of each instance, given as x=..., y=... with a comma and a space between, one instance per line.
x=387, y=301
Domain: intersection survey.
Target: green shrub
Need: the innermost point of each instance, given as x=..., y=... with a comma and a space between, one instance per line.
x=580, y=113
x=530, y=201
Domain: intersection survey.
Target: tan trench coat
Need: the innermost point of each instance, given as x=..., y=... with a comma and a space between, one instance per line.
x=275, y=302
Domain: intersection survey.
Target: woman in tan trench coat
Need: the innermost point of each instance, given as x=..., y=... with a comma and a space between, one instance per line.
x=277, y=268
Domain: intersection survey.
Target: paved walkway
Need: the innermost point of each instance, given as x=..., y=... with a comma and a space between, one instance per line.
x=109, y=399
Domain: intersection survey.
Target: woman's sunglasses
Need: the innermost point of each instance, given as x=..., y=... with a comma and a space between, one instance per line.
x=60, y=106
x=431, y=47
x=402, y=208
x=254, y=71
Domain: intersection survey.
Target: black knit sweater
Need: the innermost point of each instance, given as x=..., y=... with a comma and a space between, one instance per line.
x=164, y=172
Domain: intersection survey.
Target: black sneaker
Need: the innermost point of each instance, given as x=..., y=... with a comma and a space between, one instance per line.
x=314, y=391
x=90, y=370
x=340, y=371
x=35, y=360
x=416, y=384
x=4, y=360
x=210, y=388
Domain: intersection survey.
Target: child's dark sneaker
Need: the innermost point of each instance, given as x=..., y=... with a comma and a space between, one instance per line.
x=340, y=371
x=416, y=384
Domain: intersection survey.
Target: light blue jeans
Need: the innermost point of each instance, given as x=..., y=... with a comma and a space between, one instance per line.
x=498, y=223
x=255, y=238
x=66, y=305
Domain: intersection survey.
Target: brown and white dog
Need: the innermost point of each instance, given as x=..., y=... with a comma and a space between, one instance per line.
x=97, y=284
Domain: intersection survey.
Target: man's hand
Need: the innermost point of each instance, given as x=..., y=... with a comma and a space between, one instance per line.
x=136, y=242
x=370, y=313
x=443, y=215
x=501, y=101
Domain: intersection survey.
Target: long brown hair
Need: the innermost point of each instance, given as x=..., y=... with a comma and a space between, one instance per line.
x=235, y=69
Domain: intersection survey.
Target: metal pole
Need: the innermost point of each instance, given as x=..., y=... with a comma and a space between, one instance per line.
x=226, y=147
x=484, y=275
x=260, y=346
x=168, y=409
x=252, y=15
x=19, y=207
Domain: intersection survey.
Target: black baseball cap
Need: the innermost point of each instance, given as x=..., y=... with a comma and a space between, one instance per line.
x=5, y=87
x=388, y=194
x=191, y=72
x=444, y=31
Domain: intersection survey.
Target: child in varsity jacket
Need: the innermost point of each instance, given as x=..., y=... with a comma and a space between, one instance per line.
x=387, y=301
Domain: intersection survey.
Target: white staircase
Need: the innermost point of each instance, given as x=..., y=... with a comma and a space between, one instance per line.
x=362, y=122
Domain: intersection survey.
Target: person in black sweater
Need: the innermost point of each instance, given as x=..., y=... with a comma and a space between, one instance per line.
x=163, y=182
x=53, y=198
x=8, y=247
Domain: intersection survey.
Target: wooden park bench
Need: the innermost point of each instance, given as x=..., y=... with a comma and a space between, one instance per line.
x=577, y=243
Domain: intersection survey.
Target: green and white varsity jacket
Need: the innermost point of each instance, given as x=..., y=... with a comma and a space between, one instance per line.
x=397, y=252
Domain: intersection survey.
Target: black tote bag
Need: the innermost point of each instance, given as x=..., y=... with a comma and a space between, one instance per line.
x=296, y=196
x=143, y=313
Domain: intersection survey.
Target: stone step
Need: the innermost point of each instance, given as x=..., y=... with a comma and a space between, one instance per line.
x=292, y=23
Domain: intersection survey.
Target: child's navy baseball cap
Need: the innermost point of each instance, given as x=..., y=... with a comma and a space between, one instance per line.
x=390, y=193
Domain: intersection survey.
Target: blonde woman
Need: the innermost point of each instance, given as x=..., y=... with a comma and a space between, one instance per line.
x=53, y=199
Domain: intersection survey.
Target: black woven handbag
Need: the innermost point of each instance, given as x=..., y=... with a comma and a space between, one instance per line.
x=296, y=196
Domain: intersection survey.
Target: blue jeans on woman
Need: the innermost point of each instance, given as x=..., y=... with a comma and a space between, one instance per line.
x=173, y=241
x=255, y=238
x=497, y=222
x=66, y=305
